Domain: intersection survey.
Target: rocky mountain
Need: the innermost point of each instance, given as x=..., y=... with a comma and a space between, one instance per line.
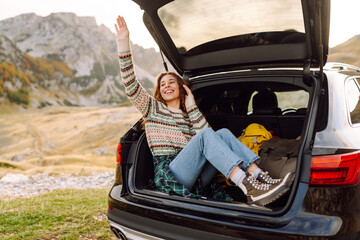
x=63, y=59
x=347, y=52
x=67, y=59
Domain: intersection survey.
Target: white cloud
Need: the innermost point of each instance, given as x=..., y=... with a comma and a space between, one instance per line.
x=105, y=13
x=344, y=15
x=344, y=22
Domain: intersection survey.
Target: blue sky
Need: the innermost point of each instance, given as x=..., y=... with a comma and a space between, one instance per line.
x=343, y=12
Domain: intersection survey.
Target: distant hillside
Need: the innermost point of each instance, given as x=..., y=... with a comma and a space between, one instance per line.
x=347, y=52
x=19, y=72
x=65, y=59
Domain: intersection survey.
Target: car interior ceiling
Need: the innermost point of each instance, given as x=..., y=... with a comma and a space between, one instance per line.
x=227, y=107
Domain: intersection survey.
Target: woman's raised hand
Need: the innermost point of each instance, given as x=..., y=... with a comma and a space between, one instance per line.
x=122, y=31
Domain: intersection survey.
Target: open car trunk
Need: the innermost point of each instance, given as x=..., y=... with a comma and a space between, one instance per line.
x=228, y=58
x=226, y=101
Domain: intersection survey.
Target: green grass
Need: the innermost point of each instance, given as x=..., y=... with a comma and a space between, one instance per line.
x=6, y=165
x=62, y=214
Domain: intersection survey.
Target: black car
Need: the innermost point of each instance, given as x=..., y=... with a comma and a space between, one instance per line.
x=229, y=51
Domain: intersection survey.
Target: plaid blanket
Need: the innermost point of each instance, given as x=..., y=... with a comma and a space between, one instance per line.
x=166, y=182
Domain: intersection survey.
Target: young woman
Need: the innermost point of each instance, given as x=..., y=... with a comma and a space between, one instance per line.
x=185, y=149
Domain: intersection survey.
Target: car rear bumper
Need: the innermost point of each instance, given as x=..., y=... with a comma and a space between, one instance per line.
x=158, y=224
x=137, y=227
x=125, y=233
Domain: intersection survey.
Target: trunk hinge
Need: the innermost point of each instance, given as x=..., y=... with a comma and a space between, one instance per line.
x=307, y=64
x=306, y=73
x=186, y=76
x=164, y=63
x=321, y=50
x=321, y=46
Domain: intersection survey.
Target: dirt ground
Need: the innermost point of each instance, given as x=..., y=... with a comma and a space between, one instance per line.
x=62, y=139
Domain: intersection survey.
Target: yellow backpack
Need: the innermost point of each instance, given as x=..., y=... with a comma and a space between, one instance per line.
x=254, y=135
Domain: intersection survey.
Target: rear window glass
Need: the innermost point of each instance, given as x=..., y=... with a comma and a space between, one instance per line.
x=289, y=102
x=353, y=100
x=193, y=22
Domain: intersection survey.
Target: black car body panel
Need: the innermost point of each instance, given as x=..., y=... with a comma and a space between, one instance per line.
x=281, y=49
x=309, y=211
x=224, y=75
x=170, y=224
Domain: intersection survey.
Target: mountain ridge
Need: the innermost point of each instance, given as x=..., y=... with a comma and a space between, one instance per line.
x=87, y=49
x=347, y=52
x=64, y=59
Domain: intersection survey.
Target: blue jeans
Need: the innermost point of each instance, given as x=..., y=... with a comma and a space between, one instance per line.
x=207, y=152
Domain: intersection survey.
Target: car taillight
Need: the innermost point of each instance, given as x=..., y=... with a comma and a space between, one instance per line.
x=118, y=154
x=335, y=170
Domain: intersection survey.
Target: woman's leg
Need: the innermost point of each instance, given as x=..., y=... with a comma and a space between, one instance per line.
x=207, y=174
x=239, y=149
x=206, y=145
x=209, y=171
x=248, y=166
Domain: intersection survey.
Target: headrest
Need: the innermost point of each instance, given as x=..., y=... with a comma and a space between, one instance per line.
x=265, y=99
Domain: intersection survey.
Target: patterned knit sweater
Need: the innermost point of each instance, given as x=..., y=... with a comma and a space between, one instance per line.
x=167, y=129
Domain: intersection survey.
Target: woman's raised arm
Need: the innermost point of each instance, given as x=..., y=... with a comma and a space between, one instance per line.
x=133, y=89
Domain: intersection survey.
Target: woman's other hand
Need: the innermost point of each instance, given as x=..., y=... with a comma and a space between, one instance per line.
x=187, y=89
x=189, y=98
x=122, y=31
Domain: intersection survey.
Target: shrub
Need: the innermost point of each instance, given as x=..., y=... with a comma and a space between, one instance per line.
x=91, y=90
x=70, y=104
x=1, y=87
x=97, y=71
x=21, y=96
x=112, y=68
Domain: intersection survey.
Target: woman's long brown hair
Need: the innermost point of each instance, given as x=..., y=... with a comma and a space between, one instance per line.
x=182, y=92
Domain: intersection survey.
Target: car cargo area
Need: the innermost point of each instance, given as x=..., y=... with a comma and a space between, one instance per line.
x=235, y=101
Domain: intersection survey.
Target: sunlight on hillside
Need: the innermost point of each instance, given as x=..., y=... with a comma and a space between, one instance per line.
x=62, y=139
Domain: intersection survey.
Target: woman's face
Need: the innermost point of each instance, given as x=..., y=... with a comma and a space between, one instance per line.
x=169, y=88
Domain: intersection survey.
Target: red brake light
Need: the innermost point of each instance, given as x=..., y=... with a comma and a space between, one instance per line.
x=118, y=154
x=335, y=170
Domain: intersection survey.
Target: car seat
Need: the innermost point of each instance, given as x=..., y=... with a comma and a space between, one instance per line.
x=265, y=103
